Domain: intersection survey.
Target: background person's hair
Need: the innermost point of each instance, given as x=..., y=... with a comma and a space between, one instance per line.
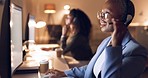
x=81, y=21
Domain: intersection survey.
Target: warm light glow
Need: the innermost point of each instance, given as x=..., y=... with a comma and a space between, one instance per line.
x=146, y=23
x=139, y=24
x=134, y=24
x=31, y=23
x=49, y=8
x=67, y=11
x=49, y=11
x=40, y=24
x=67, y=7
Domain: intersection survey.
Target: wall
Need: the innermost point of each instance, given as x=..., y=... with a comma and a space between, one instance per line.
x=141, y=12
x=17, y=2
x=37, y=7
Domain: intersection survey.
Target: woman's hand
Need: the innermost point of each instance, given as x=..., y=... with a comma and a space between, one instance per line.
x=119, y=32
x=57, y=73
x=65, y=30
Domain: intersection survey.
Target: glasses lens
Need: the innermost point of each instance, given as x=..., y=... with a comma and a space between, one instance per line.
x=106, y=15
x=101, y=15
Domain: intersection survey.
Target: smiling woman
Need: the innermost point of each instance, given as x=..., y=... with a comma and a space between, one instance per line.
x=113, y=59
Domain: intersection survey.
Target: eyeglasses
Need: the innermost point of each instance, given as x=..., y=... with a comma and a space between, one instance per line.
x=102, y=15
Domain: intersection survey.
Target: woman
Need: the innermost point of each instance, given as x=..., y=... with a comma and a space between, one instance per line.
x=75, y=35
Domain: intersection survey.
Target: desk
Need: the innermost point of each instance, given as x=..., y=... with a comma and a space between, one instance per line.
x=35, y=56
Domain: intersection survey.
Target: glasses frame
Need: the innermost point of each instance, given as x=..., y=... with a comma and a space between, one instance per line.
x=103, y=15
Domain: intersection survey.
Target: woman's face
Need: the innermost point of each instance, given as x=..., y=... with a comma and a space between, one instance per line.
x=108, y=12
x=69, y=22
x=68, y=19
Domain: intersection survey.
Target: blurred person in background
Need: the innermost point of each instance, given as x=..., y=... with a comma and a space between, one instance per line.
x=76, y=35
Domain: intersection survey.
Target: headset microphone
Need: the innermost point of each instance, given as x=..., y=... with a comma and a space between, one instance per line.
x=110, y=23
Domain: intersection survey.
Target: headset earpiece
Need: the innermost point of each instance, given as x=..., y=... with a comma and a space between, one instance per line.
x=74, y=19
x=128, y=18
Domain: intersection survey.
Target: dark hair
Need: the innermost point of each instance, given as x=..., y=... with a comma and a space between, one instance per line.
x=130, y=10
x=81, y=21
x=126, y=7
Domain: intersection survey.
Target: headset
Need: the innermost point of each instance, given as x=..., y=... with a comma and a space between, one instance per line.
x=74, y=19
x=128, y=15
x=128, y=19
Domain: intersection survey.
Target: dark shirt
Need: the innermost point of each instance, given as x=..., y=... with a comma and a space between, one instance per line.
x=78, y=45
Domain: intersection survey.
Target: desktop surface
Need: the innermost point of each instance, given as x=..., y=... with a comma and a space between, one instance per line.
x=29, y=68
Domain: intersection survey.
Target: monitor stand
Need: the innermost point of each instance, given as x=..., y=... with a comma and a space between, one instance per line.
x=28, y=67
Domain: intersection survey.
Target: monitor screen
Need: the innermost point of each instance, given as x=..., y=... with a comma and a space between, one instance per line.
x=16, y=36
x=29, y=29
x=31, y=25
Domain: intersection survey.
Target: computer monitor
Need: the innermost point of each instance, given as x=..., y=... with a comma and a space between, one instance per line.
x=5, y=57
x=29, y=29
x=16, y=36
x=10, y=39
x=31, y=25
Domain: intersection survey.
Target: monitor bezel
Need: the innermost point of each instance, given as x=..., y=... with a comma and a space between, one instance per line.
x=16, y=7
